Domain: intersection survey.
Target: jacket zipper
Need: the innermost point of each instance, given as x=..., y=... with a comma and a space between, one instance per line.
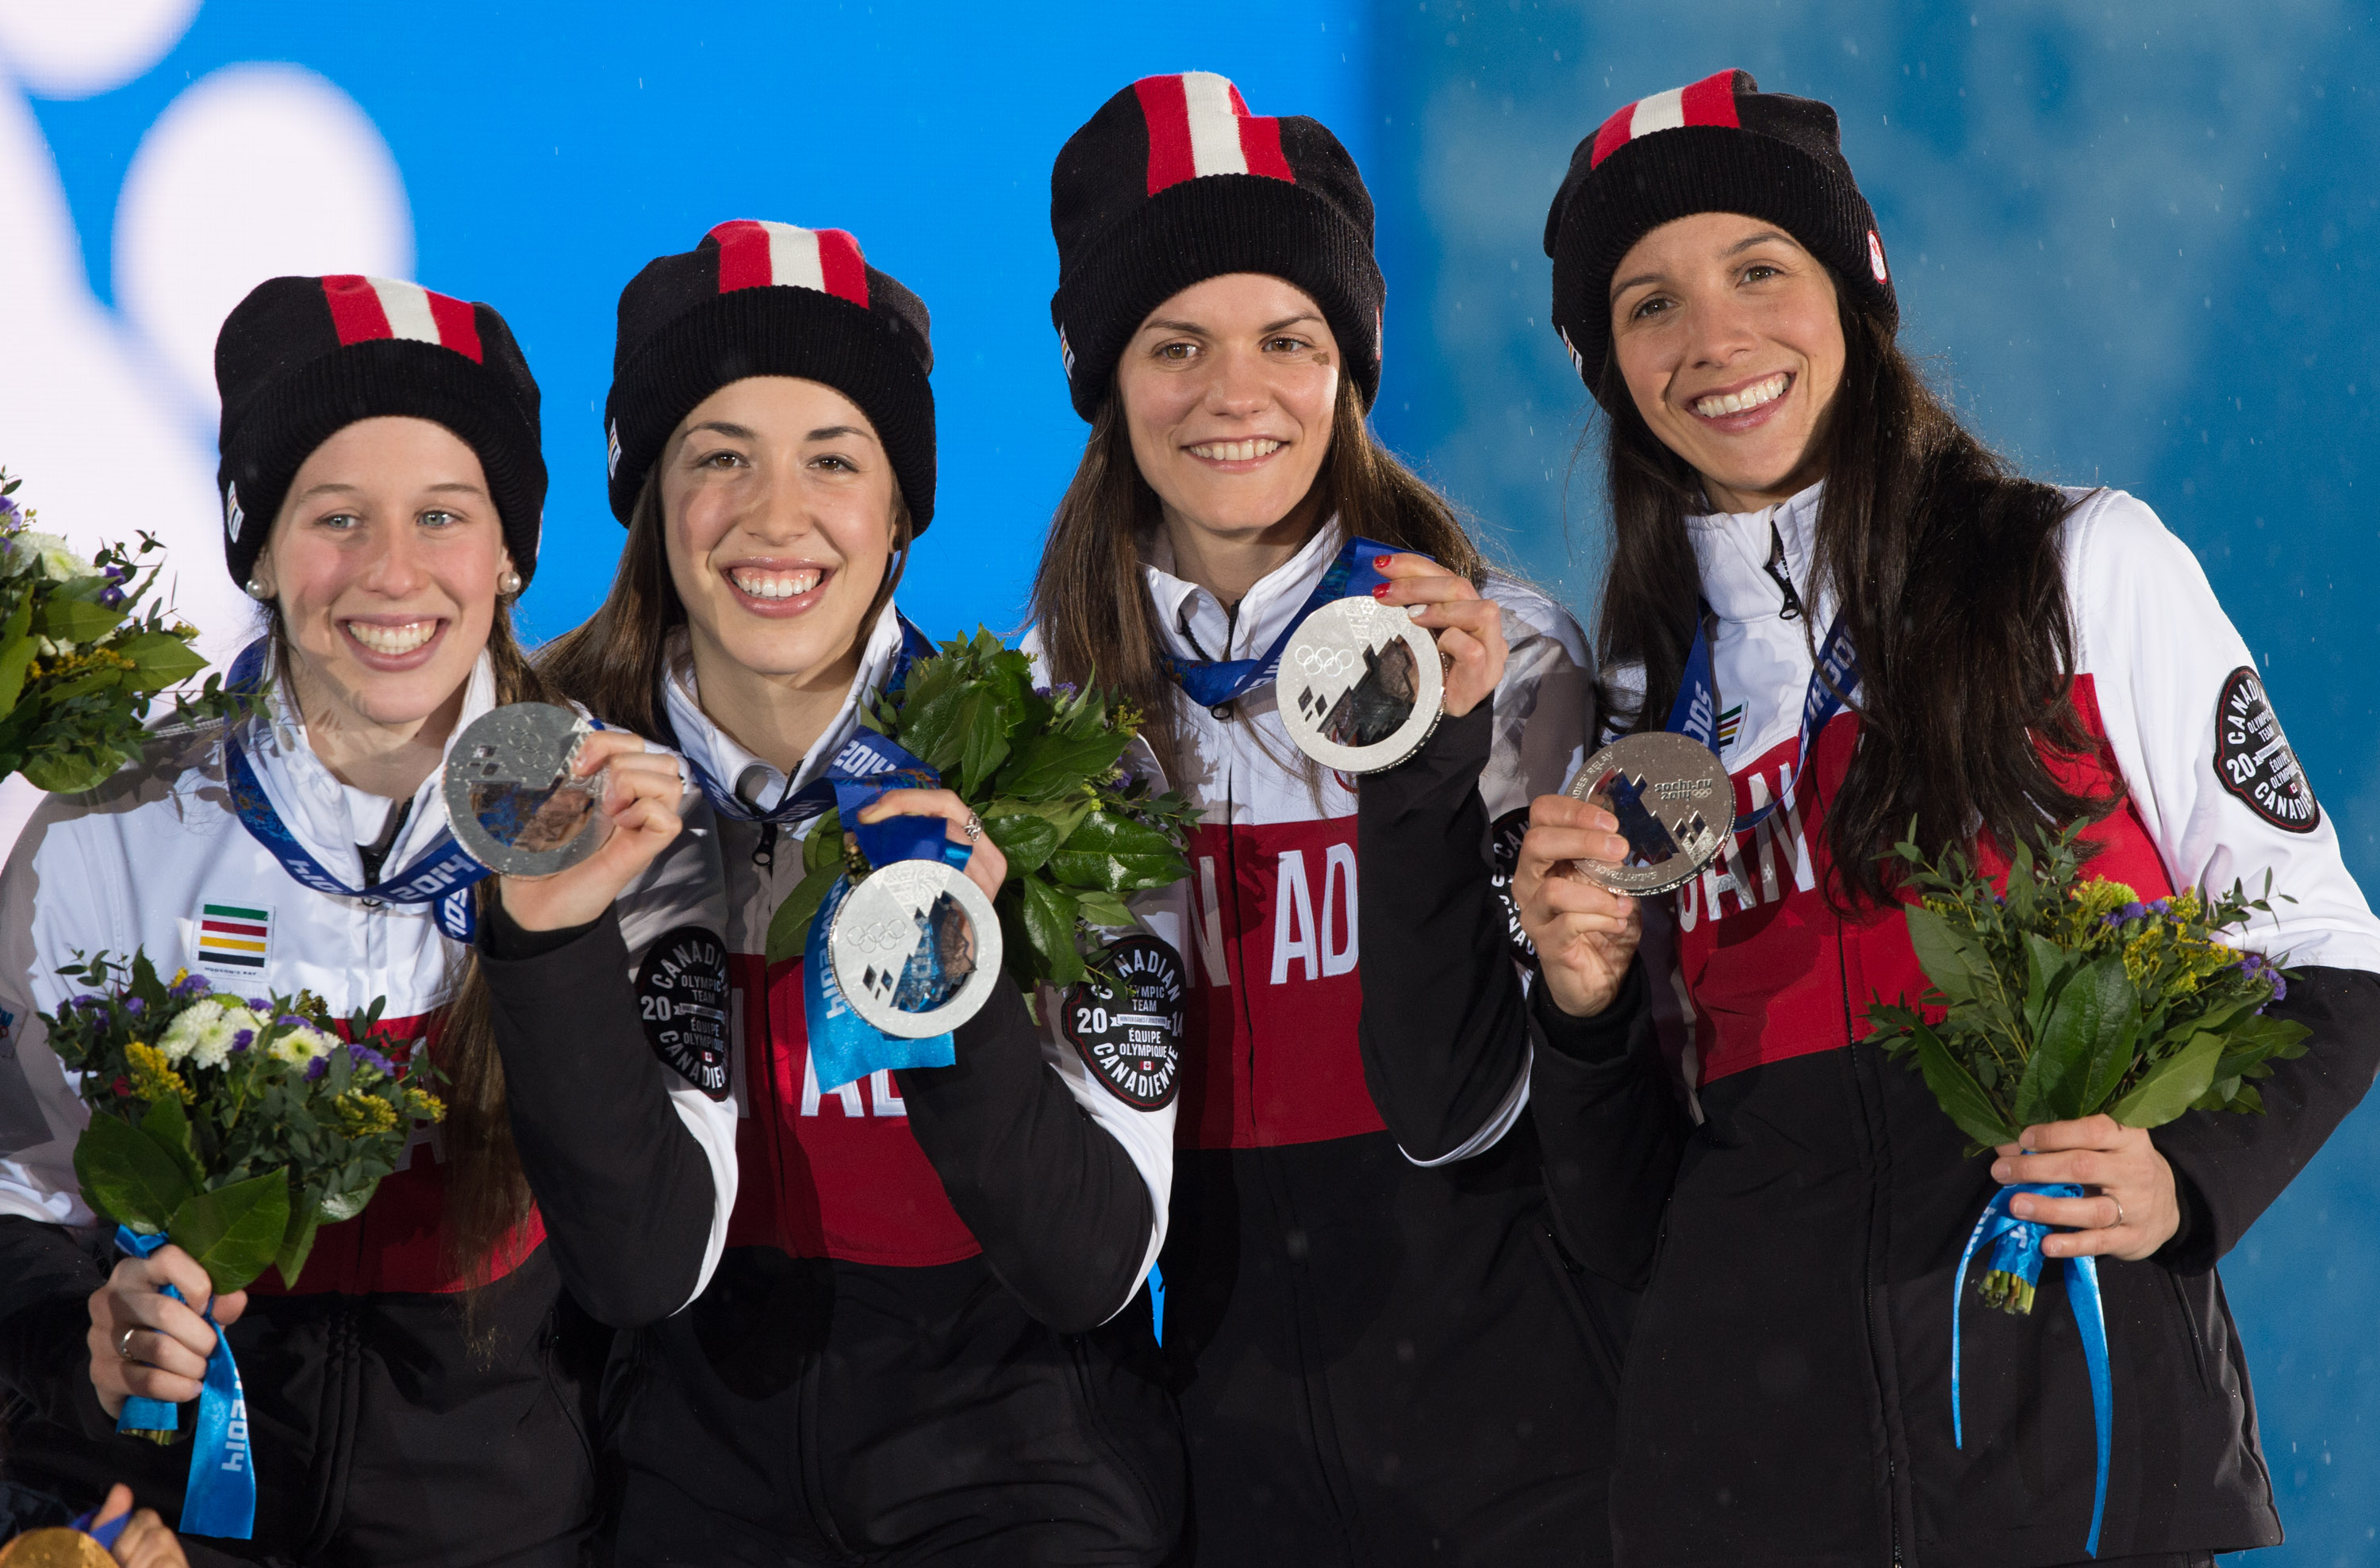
x=1776, y=570
x=764, y=852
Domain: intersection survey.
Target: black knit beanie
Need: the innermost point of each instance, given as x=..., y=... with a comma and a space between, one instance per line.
x=1719, y=146
x=769, y=299
x=300, y=359
x=1174, y=182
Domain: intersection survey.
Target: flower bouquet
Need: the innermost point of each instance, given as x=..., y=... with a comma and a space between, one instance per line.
x=79, y=659
x=1042, y=766
x=2065, y=998
x=233, y=1128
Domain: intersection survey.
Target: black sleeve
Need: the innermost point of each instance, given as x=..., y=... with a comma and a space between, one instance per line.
x=1061, y=1210
x=46, y=1278
x=2231, y=1166
x=625, y=1188
x=1612, y=1129
x=1443, y=1031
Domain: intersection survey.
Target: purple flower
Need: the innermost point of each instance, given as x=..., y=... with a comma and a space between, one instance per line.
x=365, y=1056
x=118, y=574
x=7, y=506
x=317, y=1068
x=243, y=1040
x=1062, y=689
x=2256, y=966
x=134, y=1006
x=293, y=1021
x=111, y=599
x=88, y=1003
x=191, y=985
x=2130, y=912
x=259, y=1004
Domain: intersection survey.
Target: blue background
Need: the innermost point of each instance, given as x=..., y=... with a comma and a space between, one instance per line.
x=2137, y=245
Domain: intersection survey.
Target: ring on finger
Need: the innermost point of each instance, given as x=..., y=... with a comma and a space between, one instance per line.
x=2119, y=1209
x=972, y=828
x=124, y=1344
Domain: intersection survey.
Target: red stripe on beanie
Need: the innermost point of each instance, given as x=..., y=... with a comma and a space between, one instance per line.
x=1711, y=102
x=356, y=312
x=1611, y=136
x=743, y=255
x=842, y=268
x=1260, y=144
x=458, y=325
x=1165, y=104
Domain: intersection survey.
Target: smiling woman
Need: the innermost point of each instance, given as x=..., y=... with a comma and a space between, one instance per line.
x=382, y=488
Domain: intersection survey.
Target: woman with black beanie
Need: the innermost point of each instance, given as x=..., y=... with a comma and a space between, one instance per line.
x=1382, y=1353
x=1911, y=642
x=891, y=1320
x=424, y=1393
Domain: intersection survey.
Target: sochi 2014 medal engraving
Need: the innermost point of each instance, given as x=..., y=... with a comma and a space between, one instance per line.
x=1361, y=686
x=915, y=948
x=1675, y=803
x=511, y=798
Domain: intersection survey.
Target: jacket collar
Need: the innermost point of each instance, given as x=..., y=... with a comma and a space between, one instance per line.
x=326, y=817
x=1262, y=616
x=726, y=761
x=1733, y=551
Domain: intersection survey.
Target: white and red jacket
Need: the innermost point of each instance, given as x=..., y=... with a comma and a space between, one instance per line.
x=1359, y=1236
x=346, y=1373
x=1797, y=1244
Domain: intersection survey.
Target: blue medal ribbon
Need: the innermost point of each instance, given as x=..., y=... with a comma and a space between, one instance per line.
x=846, y=1047
x=441, y=875
x=1211, y=682
x=221, y=1497
x=1695, y=711
x=2016, y=1253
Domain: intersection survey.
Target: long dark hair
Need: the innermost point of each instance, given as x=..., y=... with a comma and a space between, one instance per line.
x=1091, y=600
x=1947, y=565
x=487, y=1193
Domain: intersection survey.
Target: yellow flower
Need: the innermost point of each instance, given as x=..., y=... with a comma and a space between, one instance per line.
x=423, y=1106
x=152, y=1078
x=2097, y=899
x=360, y=1114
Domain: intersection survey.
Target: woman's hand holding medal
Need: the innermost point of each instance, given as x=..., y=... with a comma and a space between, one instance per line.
x=1469, y=628
x=1585, y=932
x=986, y=867
x=641, y=790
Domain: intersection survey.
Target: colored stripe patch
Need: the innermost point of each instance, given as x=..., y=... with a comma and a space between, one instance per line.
x=367, y=309
x=754, y=253
x=1710, y=101
x=1198, y=124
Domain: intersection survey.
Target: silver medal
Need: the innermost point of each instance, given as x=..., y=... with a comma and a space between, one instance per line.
x=1675, y=803
x=1361, y=686
x=915, y=948
x=511, y=797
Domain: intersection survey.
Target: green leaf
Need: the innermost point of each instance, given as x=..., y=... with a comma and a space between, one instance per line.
x=1958, y=967
x=2048, y=966
x=822, y=846
x=789, y=928
x=983, y=724
x=71, y=772
x=347, y=1203
x=1104, y=910
x=297, y=1245
x=160, y=659
x=235, y=1231
x=1047, y=766
x=127, y=1176
x=68, y=619
x=168, y=1126
x=2171, y=1086
x=1956, y=1090
x=2091, y=1016
x=1030, y=832
x=1116, y=855
x=1050, y=926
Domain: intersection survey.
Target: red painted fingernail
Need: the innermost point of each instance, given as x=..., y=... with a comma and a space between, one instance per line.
x=1380, y=590
x=1379, y=563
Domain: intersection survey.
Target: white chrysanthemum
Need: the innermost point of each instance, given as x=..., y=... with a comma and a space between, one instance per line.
x=216, y=1038
x=182, y=1037
x=52, y=555
x=301, y=1045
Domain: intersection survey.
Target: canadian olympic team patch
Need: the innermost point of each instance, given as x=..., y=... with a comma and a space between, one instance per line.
x=682, y=1001
x=1128, y=1029
x=1503, y=860
x=2252, y=759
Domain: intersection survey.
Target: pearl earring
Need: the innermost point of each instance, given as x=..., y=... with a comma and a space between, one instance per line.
x=256, y=590
x=509, y=584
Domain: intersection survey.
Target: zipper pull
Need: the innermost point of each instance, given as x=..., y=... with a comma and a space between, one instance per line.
x=1776, y=569
x=764, y=853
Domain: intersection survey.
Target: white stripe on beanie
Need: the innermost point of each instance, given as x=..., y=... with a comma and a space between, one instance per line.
x=1214, y=125
x=407, y=306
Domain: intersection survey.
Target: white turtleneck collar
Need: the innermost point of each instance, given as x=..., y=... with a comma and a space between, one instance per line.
x=329, y=818
x=1732, y=550
x=718, y=754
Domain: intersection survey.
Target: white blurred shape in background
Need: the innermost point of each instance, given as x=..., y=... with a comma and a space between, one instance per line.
x=253, y=172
